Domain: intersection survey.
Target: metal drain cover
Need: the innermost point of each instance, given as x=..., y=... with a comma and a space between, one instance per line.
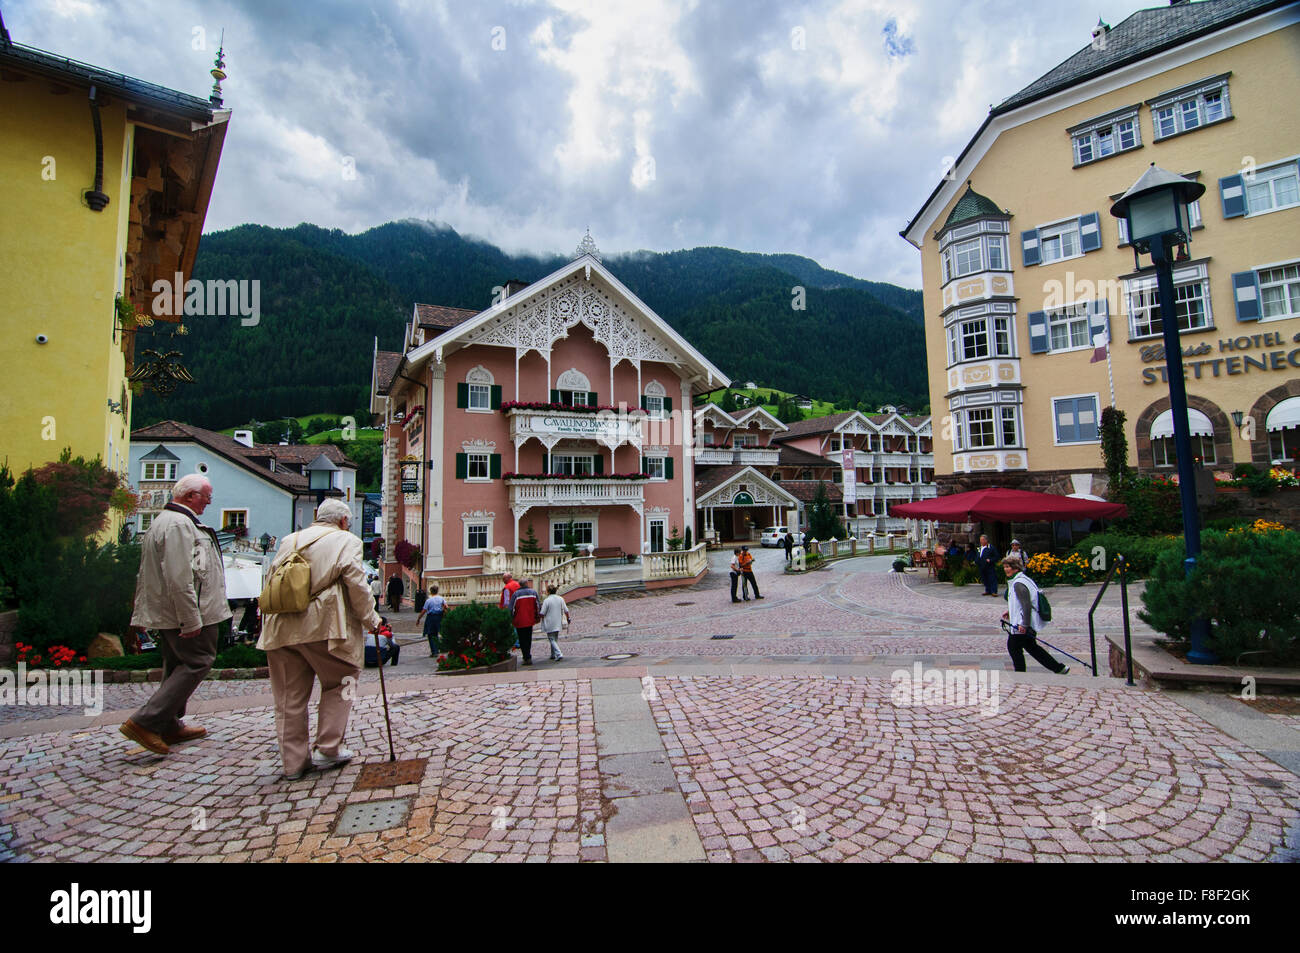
x=732, y=636
x=616, y=625
x=373, y=816
x=619, y=656
x=389, y=774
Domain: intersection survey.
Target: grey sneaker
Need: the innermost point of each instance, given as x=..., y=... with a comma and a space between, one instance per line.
x=322, y=761
x=1065, y=670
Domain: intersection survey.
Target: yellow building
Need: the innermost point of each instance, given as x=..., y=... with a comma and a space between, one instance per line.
x=104, y=185
x=1026, y=272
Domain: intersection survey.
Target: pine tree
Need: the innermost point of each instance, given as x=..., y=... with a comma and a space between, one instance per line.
x=823, y=522
x=529, y=543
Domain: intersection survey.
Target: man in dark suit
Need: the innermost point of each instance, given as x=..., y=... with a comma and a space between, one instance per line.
x=986, y=559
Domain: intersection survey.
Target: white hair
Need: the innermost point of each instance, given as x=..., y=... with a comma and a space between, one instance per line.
x=189, y=484
x=333, y=511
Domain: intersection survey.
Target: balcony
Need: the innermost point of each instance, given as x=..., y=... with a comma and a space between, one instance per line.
x=607, y=426
x=745, y=456
x=894, y=460
x=898, y=491
x=562, y=491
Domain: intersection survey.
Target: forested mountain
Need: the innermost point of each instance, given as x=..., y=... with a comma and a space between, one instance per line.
x=326, y=295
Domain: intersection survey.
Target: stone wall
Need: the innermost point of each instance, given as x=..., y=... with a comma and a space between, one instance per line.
x=1281, y=506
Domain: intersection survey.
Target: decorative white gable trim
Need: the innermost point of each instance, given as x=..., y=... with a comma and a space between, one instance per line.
x=764, y=491
x=479, y=375
x=479, y=445
x=655, y=389
x=757, y=412
x=581, y=291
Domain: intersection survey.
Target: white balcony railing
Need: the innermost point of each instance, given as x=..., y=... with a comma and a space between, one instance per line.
x=683, y=564
x=559, y=491
x=759, y=456
x=713, y=456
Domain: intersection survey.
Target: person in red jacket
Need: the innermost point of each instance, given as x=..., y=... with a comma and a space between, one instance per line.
x=525, y=611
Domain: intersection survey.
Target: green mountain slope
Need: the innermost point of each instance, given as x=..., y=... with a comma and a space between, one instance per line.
x=326, y=296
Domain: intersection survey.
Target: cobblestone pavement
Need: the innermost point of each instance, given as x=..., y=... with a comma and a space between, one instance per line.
x=772, y=766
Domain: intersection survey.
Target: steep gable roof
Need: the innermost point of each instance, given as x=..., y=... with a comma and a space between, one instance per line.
x=246, y=457
x=441, y=317
x=802, y=428
x=1142, y=34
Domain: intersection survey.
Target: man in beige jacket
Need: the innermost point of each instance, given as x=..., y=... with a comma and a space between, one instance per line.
x=181, y=591
x=325, y=641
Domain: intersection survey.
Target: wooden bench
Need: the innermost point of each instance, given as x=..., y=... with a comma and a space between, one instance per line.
x=609, y=552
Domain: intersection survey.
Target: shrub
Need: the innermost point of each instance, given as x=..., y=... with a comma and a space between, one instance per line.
x=964, y=574
x=1236, y=586
x=78, y=591
x=1154, y=506
x=408, y=554
x=475, y=634
x=1141, y=552
x=1048, y=570
x=240, y=656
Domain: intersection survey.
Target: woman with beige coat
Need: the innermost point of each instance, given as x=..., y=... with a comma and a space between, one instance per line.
x=325, y=641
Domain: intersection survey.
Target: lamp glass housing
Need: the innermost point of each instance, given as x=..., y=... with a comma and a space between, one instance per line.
x=320, y=479
x=1154, y=214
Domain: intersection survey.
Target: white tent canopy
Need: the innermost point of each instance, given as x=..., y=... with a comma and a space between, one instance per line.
x=1286, y=414
x=1198, y=424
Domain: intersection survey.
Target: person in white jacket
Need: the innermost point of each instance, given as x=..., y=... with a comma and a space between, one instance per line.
x=180, y=591
x=325, y=641
x=1022, y=614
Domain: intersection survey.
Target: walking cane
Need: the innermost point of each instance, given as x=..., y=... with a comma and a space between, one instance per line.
x=1006, y=627
x=383, y=690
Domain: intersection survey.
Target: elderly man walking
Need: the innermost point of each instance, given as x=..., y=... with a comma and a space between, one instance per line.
x=180, y=591
x=326, y=641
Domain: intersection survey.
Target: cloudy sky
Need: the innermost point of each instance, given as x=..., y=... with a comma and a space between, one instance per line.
x=815, y=127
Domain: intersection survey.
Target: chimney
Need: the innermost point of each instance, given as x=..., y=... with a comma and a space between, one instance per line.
x=514, y=286
x=244, y=436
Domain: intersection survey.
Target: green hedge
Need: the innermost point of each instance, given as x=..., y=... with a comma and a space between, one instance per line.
x=475, y=634
x=1141, y=552
x=1241, y=584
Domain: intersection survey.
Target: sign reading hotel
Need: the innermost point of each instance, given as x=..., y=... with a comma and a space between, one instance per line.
x=850, y=485
x=1235, y=363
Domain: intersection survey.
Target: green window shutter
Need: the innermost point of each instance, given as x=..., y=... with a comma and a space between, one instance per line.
x=668, y=405
x=496, y=397
x=592, y=399
x=555, y=396
x=598, y=465
x=462, y=395
x=462, y=466
x=546, y=462
x=668, y=468
x=643, y=402
x=494, y=464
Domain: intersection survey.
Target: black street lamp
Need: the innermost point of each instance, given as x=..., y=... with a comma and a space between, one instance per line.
x=265, y=542
x=1155, y=210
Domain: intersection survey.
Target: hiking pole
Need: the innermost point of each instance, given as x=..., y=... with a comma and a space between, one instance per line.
x=383, y=690
x=1006, y=627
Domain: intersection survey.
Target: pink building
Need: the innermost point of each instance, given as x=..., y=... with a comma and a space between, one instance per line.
x=563, y=407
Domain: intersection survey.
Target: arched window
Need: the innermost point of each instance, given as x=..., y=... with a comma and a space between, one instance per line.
x=1162, y=438
x=655, y=401
x=573, y=388
x=1283, y=426
x=478, y=387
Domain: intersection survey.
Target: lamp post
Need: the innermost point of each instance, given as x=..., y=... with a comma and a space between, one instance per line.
x=1155, y=210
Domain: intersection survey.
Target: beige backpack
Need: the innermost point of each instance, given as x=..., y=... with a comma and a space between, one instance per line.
x=288, y=589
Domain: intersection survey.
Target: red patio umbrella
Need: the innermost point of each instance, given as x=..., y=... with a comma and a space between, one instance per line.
x=999, y=503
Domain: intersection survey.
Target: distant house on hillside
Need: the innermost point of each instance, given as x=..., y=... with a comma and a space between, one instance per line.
x=750, y=385
x=802, y=402
x=262, y=488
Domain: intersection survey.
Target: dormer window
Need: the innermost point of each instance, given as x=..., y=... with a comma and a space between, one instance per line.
x=1106, y=135
x=1190, y=107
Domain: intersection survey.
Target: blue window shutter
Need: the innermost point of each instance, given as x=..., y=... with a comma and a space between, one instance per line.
x=1233, y=192
x=1038, y=332
x=1086, y=431
x=1090, y=232
x=1245, y=292
x=1029, y=247
x=592, y=399
x=643, y=400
